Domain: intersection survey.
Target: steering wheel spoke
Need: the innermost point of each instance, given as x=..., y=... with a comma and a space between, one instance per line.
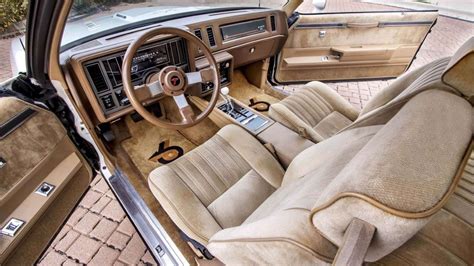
x=185, y=109
x=147, y=91
x=201, y=76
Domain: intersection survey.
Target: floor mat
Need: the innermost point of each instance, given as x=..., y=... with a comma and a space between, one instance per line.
x=151, y=146
x=249, y=94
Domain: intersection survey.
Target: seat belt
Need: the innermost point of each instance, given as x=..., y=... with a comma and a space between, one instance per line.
x=204, y=251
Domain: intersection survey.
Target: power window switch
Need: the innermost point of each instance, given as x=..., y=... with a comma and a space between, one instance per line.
x=12, y=227
x=45, y=189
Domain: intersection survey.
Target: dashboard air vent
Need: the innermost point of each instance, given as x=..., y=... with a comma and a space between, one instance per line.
x=198, y=33
x=210, y=35
x=272, y=22
x=97, y=78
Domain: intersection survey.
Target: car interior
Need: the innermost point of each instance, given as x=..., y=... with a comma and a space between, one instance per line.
x=238, y=171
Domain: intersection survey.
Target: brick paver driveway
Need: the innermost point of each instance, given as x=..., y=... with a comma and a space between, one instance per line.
x=98, y=232
x=5, y=69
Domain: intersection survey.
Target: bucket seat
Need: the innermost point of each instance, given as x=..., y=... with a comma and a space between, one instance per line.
x=317, y=112
x=394, y=168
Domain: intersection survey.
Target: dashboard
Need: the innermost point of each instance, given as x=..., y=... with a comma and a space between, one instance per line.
x=236, y=38
x=105, y=73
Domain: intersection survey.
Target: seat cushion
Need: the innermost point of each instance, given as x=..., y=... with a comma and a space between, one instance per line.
x=218, y=184
x=315, y=111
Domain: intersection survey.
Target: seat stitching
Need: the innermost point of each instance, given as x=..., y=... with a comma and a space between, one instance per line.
x=206, y=154
x=320, y=102
x=211, y=166
x=206, y=176
x=426, y=237
x=308, y=108
x=295, y=106
x=193, y=180
x=221, y=153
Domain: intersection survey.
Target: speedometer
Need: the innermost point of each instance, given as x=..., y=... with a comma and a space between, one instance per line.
x=150, y=58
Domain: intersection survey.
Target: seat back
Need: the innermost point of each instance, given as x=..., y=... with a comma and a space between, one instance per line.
x=403, y=176
x=450, y=74
x=409, y=169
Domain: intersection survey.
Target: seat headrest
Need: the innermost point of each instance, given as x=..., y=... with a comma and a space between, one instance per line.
x=459, y=72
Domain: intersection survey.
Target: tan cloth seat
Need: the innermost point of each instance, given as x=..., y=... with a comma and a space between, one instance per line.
x=317, y=112
x=231, y=195
x=218, y=184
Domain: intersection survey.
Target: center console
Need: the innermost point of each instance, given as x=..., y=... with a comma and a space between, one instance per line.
x=244, y=116
x=286, y=143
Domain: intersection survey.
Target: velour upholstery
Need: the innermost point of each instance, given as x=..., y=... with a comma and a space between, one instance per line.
x=396, y=167
x=413, y=81
x=316, y=111
x=318, y=123
x=39, y=135
x=458, y=74
x=406, y=165
x=202, y=191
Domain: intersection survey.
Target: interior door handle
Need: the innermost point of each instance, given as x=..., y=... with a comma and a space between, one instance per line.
x=362, y=24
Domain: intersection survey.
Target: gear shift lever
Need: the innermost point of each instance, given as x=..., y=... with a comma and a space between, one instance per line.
x=228, y=102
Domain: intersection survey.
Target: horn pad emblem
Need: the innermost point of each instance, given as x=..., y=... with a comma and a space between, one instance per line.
x=175, y=81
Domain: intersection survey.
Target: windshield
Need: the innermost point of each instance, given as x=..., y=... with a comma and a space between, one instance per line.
x=89, y=18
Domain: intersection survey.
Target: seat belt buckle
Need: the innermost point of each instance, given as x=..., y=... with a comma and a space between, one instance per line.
x=303, y=133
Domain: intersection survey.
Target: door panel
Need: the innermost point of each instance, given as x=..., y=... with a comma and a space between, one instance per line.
x=34, y=149
x=352, y=45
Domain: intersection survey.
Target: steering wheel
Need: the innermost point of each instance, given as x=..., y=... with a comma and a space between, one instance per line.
x=171, y=81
